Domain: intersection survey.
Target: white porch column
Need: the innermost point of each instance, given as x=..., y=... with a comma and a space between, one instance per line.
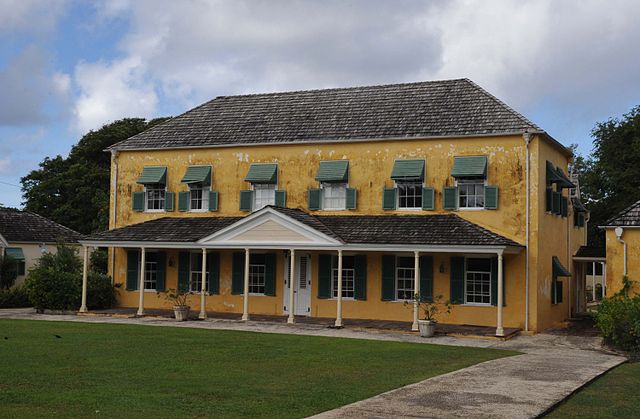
x=593, y=280
x=499, y=328
x=416, y=290
x=339, y=299
x=203, y=287
x=604, y=279
x=245, y=305
x=141, y=287
x=292, y=283
x=85, y=267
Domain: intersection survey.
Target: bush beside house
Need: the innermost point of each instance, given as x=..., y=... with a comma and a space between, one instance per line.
x=55, y=283
x=618, y=318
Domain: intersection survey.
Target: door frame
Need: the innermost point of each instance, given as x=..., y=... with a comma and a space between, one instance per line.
x=285, y=299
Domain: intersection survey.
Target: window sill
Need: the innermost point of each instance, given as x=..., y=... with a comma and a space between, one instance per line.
x=471, y=209
x=154, y=211
x=410, y=209
x=332, y=209
x=198, y=210
x=476, y=305
x=343, y=299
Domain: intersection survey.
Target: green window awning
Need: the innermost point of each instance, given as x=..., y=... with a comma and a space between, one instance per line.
x=153, y=174
x=470, y=166
x=333, y=171
x=14, y=253
x=408, y=170
x=198, y=174
x=563, y=181
x=552, y=176
x=558, y=269
x=262, y=173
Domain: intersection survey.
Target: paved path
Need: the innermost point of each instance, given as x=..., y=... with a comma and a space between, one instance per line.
x=523, y=386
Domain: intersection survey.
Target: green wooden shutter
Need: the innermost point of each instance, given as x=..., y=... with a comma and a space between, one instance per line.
x=313, y=199
x=270, y=274
x=184, y=270
x=351, y=198
x=169, y=199
x=456, y=282
x=281, y=199
x=137, y=200
x=246, y=200
x=450, y=197
x=389, y=198
x=549, y=199
x=213, y=268
x=557, y=203
x=161, y=259
x=237, y=276
x=494, y=283
x=388, y=277
x=133, y=269
x=183, y=201
x=564, y=206
x=428, y=198
x=426, y=278
x=324, y=276
x=360, y=283
x=213, y=201
x=491, y=197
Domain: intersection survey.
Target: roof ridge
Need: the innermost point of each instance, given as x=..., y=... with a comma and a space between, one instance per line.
x=623, y=212
x=48, y=220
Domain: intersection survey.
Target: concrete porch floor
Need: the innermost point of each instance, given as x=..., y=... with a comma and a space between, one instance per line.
x=465, y=331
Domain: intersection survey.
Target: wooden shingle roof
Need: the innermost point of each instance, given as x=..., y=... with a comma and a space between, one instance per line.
x=411, y=110
x=25, y=226
x=628, y=217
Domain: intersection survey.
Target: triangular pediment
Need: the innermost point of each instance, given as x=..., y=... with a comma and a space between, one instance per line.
x=269, y=227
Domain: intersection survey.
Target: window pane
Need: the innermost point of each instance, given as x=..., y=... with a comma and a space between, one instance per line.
x=257, y=279
x=334, y=196
x=155, y=197
x=409, y=194
x=264, y=194
x=478, y=281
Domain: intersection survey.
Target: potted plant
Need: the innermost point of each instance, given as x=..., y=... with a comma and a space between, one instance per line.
x=430, y=308
x=179, y=300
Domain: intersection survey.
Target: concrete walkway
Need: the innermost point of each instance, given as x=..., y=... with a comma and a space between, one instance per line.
x=551, y=368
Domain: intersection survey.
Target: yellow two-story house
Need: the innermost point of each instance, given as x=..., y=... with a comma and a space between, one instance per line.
x=344, y=203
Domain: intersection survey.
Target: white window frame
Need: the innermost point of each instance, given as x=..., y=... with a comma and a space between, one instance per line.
x=412, y=279
x=348, y=279
x=466, y=277
x=150, y=272
x=204, y=199
x=271, y=200
x=420, y=184
x=195, y=275
x=257, y=269
x=163, y=200
x=334, y=187
x=463, y=181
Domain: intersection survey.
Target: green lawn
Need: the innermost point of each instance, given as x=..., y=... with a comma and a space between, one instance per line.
x=108, y=370
x=614, y=395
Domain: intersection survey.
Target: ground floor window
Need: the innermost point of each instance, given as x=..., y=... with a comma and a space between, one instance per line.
x=348, y=276
x=405, y=278
x=151, y=271
x=257, y=276
x=478, y=281
x=195, y=273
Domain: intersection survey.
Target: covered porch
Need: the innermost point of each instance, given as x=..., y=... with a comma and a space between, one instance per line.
x=591, y=277
x=284, y=262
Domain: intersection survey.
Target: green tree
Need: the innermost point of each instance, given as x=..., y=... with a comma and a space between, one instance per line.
x=610, y=176
x=74, y=191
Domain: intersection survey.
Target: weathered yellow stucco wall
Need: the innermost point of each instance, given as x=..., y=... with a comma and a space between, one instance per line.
x=370, y=168
x=372, y=308
x=615, y=260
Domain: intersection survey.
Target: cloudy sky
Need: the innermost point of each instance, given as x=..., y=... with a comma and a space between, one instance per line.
x=67, y=67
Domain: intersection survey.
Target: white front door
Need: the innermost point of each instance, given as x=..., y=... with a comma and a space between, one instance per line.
x=301, y=284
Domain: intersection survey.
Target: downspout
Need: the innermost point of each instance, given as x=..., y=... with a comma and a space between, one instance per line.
x=527, y=140
x=112, y=221
x=619, y=231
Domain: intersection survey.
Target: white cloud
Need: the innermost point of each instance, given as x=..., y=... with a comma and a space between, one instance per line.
x=33, y=16
x=112, y=91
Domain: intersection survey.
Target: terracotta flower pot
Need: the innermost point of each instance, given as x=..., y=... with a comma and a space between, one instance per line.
x=427, y=328
x=181, y=313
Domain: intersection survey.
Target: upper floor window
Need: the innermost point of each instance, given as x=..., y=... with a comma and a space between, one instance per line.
x=334, y=196
x=409, y=194
x=198, y=197
x=263, y=194
x=155, y=197
x=470, y=193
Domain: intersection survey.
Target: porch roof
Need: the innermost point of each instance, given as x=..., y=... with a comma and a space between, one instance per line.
x=421, y=230
x=590, y=253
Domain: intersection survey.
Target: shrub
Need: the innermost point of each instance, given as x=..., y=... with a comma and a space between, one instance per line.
x=14, y=298
x=618, y=319
x=55, y=283
x=99, y=261
x=8, y=272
